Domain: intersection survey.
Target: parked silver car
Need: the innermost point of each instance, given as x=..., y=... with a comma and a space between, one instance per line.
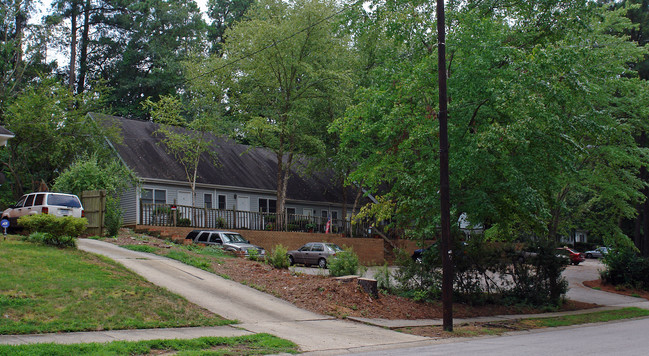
x=231, y=241
x=314, y=253
x=599, y=252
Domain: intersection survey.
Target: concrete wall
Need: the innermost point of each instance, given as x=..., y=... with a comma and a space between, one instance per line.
x=370, y=250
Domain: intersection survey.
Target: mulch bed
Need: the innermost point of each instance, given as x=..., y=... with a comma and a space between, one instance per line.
x=325, y=295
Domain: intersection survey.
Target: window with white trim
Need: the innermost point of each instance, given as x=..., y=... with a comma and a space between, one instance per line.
x=154, y=196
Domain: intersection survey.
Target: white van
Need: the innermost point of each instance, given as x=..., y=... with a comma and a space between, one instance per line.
x=57, y=204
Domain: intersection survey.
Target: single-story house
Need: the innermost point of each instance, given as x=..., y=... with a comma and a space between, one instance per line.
x=239, y=179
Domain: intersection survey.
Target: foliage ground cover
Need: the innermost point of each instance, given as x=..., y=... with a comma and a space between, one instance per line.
x=56, y=290
x=258, y=344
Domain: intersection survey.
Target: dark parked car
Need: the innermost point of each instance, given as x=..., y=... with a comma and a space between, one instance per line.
x=314, y=253
x=230, y=241
x=418, y=255
x=575, y=257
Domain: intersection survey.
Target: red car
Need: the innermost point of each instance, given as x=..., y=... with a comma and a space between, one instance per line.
x=575, y=257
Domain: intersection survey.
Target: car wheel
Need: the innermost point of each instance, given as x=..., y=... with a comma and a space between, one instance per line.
x=322, y=263
x=588, y=255
x=291, y=261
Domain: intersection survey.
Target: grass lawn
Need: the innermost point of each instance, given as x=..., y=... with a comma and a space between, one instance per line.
x=45, y=289
x=258, y=344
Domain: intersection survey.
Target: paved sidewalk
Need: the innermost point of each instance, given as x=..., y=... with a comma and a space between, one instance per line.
x=123, y=335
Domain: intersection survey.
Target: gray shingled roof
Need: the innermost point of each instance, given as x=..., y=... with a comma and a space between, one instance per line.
x=237, y=165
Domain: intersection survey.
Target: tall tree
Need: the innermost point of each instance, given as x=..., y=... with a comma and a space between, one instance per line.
x=289, y=59
x=51, y=131
x=535, y=96
x=224, y=13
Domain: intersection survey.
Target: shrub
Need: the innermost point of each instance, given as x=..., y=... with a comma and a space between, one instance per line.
x=278, y=257
x=113, y=219
x=50, y=240
x=183, y=222
x=487, y=272
x=56, y=226
x=253, y=254
x=625, y=267
x=383, y=278
x=343, y=263
x=219, y=223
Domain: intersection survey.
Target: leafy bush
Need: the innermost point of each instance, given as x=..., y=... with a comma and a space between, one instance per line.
x=343, y=263
x=50, y=240
x=113, y=218
x=184, y=222
x=487, y=272
x=383, y=278
x=278, y=257
x=253, y=254
x=625, y=267
x=56, y=226
x=219, y=223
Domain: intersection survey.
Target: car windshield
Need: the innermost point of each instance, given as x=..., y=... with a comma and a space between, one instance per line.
x=334, y=247
x=236, y=238
x=69, y=201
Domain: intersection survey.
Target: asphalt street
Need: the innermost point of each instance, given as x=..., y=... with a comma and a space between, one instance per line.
x=626, y=338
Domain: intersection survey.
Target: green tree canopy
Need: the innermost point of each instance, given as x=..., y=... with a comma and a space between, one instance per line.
x=539, y=107
x=290, y=63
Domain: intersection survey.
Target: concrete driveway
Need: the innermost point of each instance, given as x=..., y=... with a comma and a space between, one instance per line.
x=588, y=271
x=256, y=311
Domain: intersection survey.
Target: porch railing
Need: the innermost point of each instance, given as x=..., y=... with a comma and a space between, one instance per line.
x=188, y=216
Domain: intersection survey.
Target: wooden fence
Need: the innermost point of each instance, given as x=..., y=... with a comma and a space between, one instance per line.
x=187, y=216
x=94, y=206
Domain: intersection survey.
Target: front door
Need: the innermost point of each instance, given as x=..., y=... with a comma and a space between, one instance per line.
x=243, y=212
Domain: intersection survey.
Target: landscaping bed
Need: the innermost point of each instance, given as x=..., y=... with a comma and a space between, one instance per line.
x=325, y=295
x=598, y=284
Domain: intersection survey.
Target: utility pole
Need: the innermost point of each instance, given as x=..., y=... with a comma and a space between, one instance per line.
x=446, y=248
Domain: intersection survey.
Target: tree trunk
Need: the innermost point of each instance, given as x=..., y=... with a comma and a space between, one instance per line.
x=345, y=195
x=644, y=246
x=73, y=46
x=21, y=21
x=83, y=56
x=553, y=226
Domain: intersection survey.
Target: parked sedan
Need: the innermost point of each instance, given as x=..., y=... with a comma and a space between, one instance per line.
x=230, y=241
x=575, y=257
x=314, y=253
x=599, y=252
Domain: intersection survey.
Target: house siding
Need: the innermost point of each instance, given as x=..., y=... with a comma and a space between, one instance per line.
x=128, y=204
x=131, y=208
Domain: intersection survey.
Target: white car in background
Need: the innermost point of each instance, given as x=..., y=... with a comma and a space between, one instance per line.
x=57, y=204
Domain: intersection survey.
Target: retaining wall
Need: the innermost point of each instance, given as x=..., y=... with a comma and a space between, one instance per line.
x=370, y=250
